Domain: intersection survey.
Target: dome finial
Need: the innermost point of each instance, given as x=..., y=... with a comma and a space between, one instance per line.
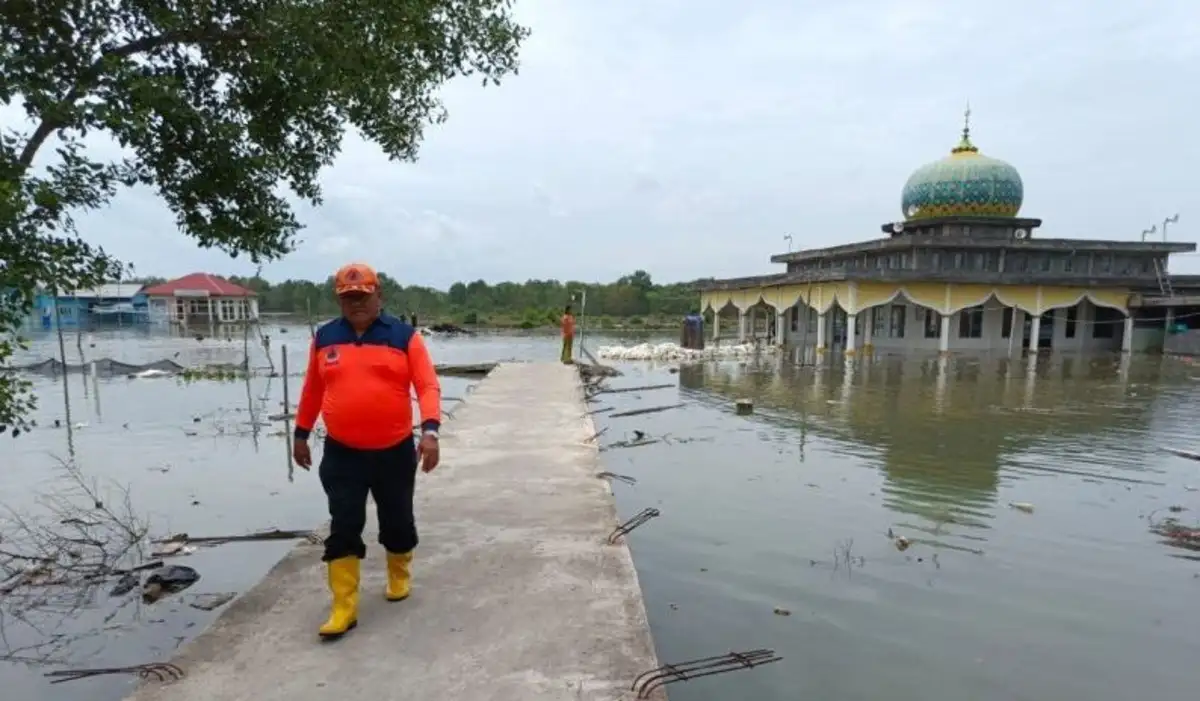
x=965, y=145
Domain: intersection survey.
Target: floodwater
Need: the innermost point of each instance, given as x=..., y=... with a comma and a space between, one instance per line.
x=790, y=508
x=787, y=509
x=191, y=460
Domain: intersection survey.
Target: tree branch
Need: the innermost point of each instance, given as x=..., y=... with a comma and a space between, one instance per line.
x=214, y=34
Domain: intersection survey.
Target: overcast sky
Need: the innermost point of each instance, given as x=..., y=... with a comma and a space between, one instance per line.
x=688, y=137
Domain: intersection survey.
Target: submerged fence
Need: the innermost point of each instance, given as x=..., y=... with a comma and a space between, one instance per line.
x=103, y=367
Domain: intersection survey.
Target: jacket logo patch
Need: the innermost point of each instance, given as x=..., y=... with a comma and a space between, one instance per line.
x=331, y=356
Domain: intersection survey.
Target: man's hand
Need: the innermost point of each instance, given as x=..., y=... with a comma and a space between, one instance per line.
x=428, y=452
x=301, y=454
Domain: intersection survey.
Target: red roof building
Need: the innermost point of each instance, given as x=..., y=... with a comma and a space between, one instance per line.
x=201, y=298
x=189, y=285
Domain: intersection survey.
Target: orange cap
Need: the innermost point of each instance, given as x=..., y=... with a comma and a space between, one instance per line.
x=356, y=277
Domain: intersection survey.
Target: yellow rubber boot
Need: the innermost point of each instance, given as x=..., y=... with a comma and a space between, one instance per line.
x=399, y=577
x=343, y=584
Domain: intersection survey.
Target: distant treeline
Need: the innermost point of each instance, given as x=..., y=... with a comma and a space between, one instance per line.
x=633, y=299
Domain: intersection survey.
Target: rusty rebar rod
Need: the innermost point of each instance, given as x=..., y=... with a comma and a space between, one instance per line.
x=647, y=682
x=624, y=529
x=159, y=671
x=614, y=476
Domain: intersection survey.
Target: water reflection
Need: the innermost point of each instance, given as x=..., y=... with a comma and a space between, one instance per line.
x=943, y=430
x=1071, y=599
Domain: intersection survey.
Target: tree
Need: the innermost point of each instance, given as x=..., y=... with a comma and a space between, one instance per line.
x=534, y=302
x=216, y=103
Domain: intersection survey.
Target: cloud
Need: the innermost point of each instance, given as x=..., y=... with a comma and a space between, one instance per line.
x=687, y=138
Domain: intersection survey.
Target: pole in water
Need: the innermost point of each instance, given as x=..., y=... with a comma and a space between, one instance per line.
x=287, y=403
x=287, y=411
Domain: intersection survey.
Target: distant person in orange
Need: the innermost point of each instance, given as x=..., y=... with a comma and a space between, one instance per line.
x=360, y=371
x=568, y=336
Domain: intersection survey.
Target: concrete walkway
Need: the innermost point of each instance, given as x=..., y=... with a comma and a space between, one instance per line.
x=516, y=597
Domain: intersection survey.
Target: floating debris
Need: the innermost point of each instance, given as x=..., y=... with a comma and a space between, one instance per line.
x=166, y=580
x=672, y=351
x=127, y=583
x=1022, y=506
x=744, y=407
x=272, y=534
x=208, y=602
x=174, y=547
x=1174, y=532
x=1189, y=454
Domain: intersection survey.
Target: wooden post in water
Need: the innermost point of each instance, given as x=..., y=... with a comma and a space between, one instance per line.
x=287, y=404
x=287, y=413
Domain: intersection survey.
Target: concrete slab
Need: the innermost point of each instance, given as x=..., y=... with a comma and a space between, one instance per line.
x=516, y=595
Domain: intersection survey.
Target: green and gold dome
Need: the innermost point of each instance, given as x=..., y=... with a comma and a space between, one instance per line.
x=964, y=184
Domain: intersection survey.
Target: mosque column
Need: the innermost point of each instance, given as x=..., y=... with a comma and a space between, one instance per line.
x=944, y=337
x=1035, y=330
x=1127, y=336
x=1016, y=330
x=820, y=332
x=743, y=316
x=780, y=327
x=716, y=330
x=869, y=327
x=851, y=332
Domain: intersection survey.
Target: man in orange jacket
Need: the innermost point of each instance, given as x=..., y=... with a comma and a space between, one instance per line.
x=360, y=370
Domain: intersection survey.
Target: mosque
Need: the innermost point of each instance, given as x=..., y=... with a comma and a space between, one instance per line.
x=962, y=271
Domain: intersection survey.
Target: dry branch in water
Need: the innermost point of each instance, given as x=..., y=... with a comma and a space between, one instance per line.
x=55, y=556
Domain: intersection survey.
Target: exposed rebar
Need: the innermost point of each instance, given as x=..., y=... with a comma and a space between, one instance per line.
x=159, y=671
x=647, y=682
x=625, y=528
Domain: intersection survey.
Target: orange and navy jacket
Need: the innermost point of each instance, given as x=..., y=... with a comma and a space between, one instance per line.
x=360, y=384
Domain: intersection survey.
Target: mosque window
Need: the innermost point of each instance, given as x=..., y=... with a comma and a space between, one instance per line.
x=1069, y=324
x=933, y=324
x=970, y=323
x=896, y=330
